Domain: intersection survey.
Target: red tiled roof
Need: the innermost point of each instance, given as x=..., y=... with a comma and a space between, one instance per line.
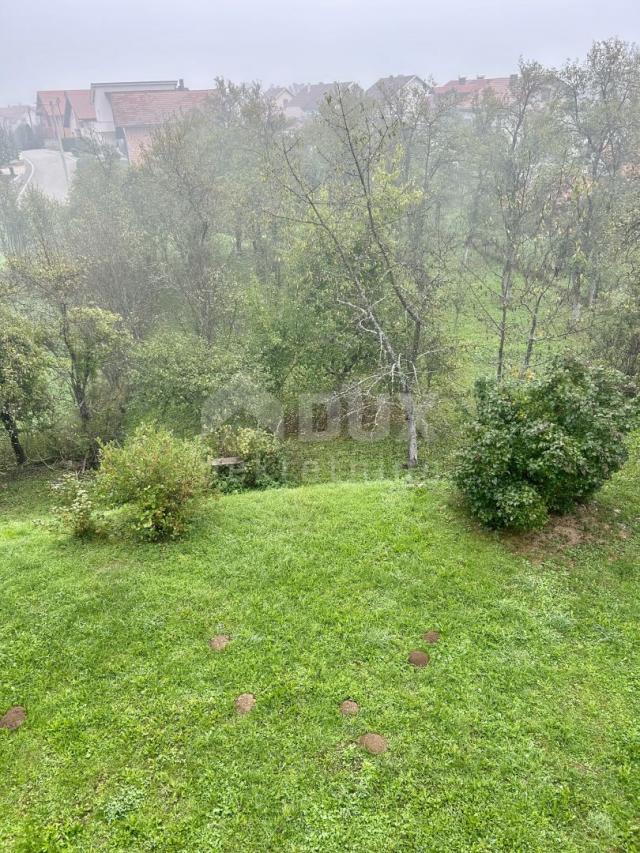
x=469, y=89
x=80, y=100
x=51, y=101
x=151, y=108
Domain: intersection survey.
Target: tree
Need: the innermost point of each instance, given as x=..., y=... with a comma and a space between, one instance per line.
x=601, y=109
x=8, y=148
x=349, y=198
x=24, y=398
x=518, y=242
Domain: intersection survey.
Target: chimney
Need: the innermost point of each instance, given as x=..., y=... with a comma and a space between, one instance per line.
x=181, y=84
x=462, y=79
x=513, y=78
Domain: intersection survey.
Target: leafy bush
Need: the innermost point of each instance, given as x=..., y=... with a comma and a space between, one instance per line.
x=541, y=445
x=75, y=510
x=157, y=477
x=261, y=452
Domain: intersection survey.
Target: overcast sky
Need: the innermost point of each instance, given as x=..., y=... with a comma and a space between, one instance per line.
x=65, y=44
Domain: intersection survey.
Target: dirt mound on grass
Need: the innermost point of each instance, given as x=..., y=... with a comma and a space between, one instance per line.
x=373, y=743
x=14, y=718
x=219, y=642
x=418, y=658
x=244, y=703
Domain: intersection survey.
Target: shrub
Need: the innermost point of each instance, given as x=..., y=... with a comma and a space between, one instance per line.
x=75, y=510
x=156, y=477
x=541, y=445
x=261, y=451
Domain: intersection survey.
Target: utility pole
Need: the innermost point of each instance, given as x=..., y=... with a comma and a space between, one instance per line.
x=59, y=138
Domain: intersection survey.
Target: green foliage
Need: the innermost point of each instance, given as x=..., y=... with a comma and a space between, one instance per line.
x=540, y=445
x=175, y=373
x=8, y=148
x=157, y=477
x=75, y=509
x=262, y=454
x=23, y=365
x=24, y=396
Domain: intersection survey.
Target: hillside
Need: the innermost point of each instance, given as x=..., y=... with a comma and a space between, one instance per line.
x=520, y=733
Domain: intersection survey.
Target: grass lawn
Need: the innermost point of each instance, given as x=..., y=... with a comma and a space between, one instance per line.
x=521, y=734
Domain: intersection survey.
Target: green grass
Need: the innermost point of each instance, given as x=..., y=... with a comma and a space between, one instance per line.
x=522, y=733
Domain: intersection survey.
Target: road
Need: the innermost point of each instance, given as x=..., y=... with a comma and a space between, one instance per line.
x=47, y=172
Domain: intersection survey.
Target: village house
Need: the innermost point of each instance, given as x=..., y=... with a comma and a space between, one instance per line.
x=79, y=113
x=307, y=100
x=400, y=85
x=50, y=110
x=16, y=116
x=467, y=92
x=137, y=114
x=101, y=94
x=279, y=96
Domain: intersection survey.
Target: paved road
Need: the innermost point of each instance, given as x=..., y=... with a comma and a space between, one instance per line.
x=48, y=172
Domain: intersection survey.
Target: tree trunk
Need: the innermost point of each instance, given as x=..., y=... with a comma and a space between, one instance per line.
x=412, y=429
x=14, y=437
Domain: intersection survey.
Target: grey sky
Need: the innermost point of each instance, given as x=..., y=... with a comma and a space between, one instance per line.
x=71, y=43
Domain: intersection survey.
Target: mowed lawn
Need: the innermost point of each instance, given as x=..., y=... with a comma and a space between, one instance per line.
x=521, y=734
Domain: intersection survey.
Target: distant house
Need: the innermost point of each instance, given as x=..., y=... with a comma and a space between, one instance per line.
x=137, y=114
x=307, y=100
x=279, y=96
x=101, y=94
x=467, y=92
x=79, y=113
x=402, y=85
x=50, y=108
x=15, y=116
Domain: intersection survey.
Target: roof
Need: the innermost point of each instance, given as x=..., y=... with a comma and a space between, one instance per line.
x=311, y=96
x=274, y=91
x=148, y=109
x=51, y=101
x=80, y=101
x=14, y=112
x=468, y=90
x=168, y=83
x=392, y=85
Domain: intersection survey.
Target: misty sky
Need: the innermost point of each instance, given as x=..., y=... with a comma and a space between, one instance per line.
x=69, y=44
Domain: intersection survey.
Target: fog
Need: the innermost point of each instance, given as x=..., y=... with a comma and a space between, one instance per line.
x=70, y=44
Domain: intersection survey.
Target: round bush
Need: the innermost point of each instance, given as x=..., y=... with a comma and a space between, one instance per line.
x=541, y=445
x=157, y=477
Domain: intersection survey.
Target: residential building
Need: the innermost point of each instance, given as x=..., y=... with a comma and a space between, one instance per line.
x=136, y=115
x=468, y=92
x=307, y=100
x=400, y=85
x=279, y=96
x=50, y=108
x=79, y=113
x=13, y=117
x=101, y=101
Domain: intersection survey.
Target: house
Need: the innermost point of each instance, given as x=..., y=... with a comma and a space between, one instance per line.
x=137, y=114
x=467, y=92
x=101, y=101
x=79, y=113
x=15, y=116
x=402, y=85
x=279, y=96
x=50, y=108
x=307, y=100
